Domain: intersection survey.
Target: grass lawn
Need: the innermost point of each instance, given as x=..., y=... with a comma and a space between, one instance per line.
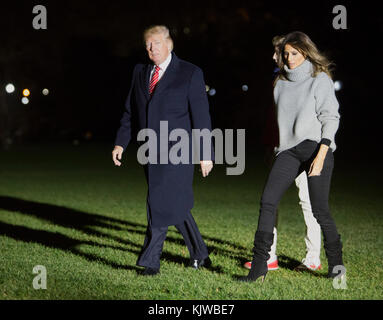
x=70, y=210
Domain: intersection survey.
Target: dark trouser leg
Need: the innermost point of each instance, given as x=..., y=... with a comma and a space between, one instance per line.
x=319, y=189
x=282, y=175
x=152, y=249
x=193, y=239
x=153, y=244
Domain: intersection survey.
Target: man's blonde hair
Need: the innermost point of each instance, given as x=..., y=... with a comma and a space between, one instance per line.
x=156, y=29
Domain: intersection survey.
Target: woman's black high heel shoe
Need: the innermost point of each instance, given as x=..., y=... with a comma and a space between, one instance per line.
x=262, y=244
x=258, y=271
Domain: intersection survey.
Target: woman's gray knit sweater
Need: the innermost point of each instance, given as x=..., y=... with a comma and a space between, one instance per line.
x=307, y=108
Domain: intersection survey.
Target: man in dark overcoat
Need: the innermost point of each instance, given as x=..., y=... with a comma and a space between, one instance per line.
x=168, y=91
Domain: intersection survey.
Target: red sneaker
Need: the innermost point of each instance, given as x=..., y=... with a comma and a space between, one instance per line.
x=273, y=265
x=308, y=266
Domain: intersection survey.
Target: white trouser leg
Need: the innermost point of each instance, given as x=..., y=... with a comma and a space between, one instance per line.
x=313, y=230
x=273, y=249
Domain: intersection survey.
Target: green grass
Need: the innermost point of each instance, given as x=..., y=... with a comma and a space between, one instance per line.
x=69, y=209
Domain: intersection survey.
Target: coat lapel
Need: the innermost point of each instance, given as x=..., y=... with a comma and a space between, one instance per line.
x=145, y=74
x=168, y=76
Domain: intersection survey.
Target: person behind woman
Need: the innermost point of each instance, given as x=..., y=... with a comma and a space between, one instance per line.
x=308, y=119
x=313, y=233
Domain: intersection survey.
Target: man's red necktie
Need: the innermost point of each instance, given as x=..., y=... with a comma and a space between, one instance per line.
x=154, y=80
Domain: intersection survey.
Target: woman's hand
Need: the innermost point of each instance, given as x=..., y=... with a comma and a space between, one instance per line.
x=317, y=164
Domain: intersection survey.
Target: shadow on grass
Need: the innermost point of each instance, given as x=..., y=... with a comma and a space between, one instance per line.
x=58, y=241
x=84, y=222
x=290, y=263
x=287, y=262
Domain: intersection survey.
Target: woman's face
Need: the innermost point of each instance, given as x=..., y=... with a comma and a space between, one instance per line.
x=293, y=57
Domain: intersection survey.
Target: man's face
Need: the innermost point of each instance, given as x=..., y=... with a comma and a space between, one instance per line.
x=275, y=55
x=158, y=48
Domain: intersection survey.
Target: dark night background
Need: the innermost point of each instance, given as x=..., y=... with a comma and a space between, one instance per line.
x=86, y=57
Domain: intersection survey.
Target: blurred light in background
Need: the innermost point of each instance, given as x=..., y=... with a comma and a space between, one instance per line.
x=25, y=100
x=10, y=88
x=45, y=92
x=338, y=85
x=88, y=135
x=207, y=88
x=212, y=92
x=26, y=92
x=245, y=87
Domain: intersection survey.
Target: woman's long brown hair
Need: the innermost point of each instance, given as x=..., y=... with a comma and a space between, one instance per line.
x=301, y=42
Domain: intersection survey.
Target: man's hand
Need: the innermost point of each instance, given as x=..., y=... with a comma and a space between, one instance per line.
x=206, y=166
x=116, y=154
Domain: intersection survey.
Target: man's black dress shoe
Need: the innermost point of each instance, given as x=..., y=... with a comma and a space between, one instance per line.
x=150, y=271
x=196, y=264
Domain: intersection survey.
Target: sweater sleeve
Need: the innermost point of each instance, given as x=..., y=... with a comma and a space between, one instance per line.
x=327, y=107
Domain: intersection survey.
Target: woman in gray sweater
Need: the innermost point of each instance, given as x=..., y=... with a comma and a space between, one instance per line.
x=308, y=118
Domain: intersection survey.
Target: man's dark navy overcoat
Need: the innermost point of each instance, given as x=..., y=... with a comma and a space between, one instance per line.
x=179, y=98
